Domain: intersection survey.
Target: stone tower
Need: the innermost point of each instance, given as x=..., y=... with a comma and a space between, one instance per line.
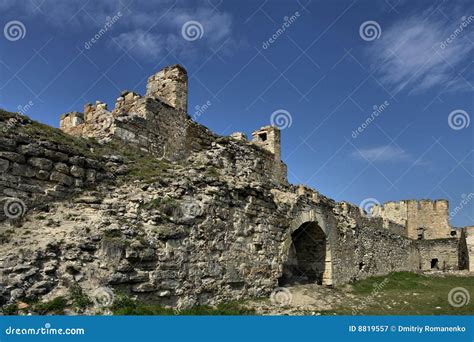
x=170, y=85
x=423, y=220
x=268, y=137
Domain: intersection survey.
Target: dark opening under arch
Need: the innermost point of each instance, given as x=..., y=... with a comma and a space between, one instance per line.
x=308, y=260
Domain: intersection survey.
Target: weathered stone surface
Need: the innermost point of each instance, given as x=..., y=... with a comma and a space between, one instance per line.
x=4, y=164
x=43, y=175
x=12, y=156
x=22, y=170
x=61, y=178
x=41, y=163
x=56, y=156
x=61, y=167
x=7, y=144
x=77, y=171
x=31, y=150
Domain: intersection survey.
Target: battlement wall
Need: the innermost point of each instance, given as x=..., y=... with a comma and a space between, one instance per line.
x=424, y=219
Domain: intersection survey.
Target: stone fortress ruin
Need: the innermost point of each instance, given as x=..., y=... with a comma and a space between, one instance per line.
x=225, y=225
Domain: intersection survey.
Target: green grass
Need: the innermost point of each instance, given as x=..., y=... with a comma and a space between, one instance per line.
x=166, y=206
x=55, y=306
x=75, y=299
x=79, y=299
x=405, y=293
x=126, y=306
x=111, y=234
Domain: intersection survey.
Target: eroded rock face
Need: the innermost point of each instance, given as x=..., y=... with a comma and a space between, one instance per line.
x=192, y=236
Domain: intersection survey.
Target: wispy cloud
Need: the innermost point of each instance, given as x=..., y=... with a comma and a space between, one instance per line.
x=147, y=29
x=410, y=54
x=151, y=41
x=384, y=153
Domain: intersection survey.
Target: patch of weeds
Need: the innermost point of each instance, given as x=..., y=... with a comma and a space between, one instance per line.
x=9, y=310
x=41, y=131
x=79, y=299
x=126, y=306
x=212, y=172
x=166, y=205
x=223, y=309
x=112, y=234
x=393, y=281
x=55, y=306
x=153, y=204
x=142, y=165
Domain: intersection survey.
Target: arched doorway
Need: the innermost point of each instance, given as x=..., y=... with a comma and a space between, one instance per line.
x=307, y=256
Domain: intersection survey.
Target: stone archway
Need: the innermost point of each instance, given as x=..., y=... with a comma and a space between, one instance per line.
x=307, y=251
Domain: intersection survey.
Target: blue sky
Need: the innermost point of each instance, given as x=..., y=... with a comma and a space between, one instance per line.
x=368, y=86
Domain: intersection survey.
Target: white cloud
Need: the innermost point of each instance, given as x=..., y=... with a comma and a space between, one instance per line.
x=384, y=153
x=151, y=40
x=409, y=54
x=141, y=43
x=146, y=28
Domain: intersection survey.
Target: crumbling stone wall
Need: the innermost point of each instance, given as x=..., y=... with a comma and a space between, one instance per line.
x=365, y=248
x=70, y=119
x=467, y=245
x=40, y=170
x=423, y=219
x=439, y=254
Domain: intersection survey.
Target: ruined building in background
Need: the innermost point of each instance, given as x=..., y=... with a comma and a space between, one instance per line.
x=158, y=123
x=217, y=222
